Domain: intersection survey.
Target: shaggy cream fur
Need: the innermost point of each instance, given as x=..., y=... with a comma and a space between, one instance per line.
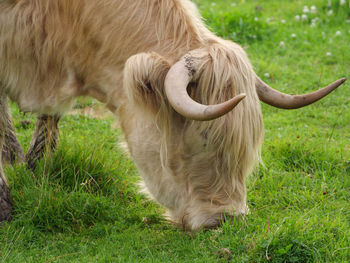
x=119, y=52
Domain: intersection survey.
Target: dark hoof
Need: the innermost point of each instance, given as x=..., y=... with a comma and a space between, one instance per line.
x=5, y=204
x=5, y=211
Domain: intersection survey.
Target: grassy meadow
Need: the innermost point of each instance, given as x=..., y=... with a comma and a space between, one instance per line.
x=82, y=205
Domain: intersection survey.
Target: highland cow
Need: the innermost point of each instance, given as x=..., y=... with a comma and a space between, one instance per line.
x=187, y=100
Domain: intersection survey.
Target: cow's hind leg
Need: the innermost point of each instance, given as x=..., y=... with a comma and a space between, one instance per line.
x=12, y=150
x=45, y=138
x=5, y=197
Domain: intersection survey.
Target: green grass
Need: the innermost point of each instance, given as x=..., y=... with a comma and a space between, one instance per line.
x=82, y=204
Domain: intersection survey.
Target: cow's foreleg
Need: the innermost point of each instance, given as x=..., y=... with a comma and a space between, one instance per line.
x=5, y=197
x=45, y=138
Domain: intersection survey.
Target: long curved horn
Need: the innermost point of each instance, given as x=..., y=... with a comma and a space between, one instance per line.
x=285, y=101
x=176, y=82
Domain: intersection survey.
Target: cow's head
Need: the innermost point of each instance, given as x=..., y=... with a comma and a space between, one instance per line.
x=194, y=158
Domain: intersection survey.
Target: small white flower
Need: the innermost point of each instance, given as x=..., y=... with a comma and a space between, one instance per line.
x=304, y=17
x=233, y=4
x=348, y=21
x=338, y=33
x=293, y=35
x=314, y=21
x=266, y=75
x=256, y=19
x=329, y=54
x=330, y=12
x=213, y=4
x=283, y=21
x=306, y=9
x=297, y=17
x=342, y=2
x=313, y=9
x=282, y=44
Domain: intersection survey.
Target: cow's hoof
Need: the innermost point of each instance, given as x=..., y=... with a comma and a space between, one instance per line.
x=5, y=204
x=5, y=211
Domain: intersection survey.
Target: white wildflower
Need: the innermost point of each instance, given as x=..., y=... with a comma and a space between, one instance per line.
x=266, y=75
x=233, y=4
x=297, y=17
x=338, y=33
x=256, y=19
x=283, y=21
x=342, y=2
x=282, y=44
x=306, y=9
x=304, y=17
x=314, y=21
x=329, y=54
x=213, y=4
x=313, y=9
x=348, y=20
x=330, y=12
x=293, y=35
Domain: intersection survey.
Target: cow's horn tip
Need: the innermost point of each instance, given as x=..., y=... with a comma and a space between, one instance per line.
x=241, y=96
x=237, y=99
